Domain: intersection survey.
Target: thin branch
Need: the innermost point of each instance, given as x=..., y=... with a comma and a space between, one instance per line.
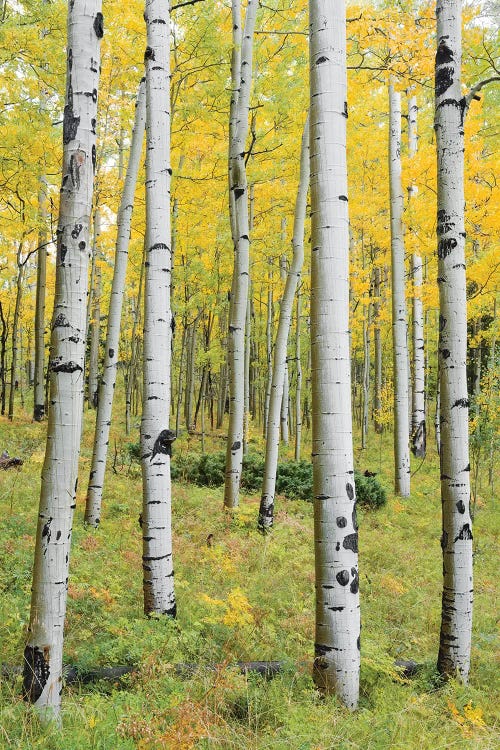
x=474, y=91
x=181, y=5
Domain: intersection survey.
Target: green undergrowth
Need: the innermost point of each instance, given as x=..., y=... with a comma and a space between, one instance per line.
x=243, y=597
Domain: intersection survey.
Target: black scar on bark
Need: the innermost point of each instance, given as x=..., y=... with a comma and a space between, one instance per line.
x=149, y=54
x=172, y=612
x=322, y=59
x=94, y=95
x=94, y=157
x=82, y=245
x=467, y=468
x=238, y=192
x=446, y=246
x=70, y=59
x=445, y=353
x=93, y=123
x=358, y=643
x=444, y=54
x=74, y=170
x=351, y=542
x=465, y=533
x=111, y=352
x=355, y=581
x=444, y=79
x=236, y=445
x=46, y=530
x=337, y=547
x=442, y=322
x=76, y=230
x=343, y=577
x=341, y=522
x=336, y=609
x=320, y=650
x=61, y=321
x=355, y=518
x=463, y=402
x=158, y=246
x=99, y=25
x=345, y=112
x=172, y=324
x=350, y=491
x=68, y=367
x=461, y=506
x=70, y=124
x=342, y=197
x=58, y=536
x=36, y=672
x=163, y=443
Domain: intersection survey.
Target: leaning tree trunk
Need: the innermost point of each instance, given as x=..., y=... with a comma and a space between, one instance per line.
x=108, y=382
x=43, y=652
x=456, y=541
x=266, y=510
x=418, y=426
x=156, y=437
x=41, y=282
x=239, y=295
x=399, y=318
x=337, y=654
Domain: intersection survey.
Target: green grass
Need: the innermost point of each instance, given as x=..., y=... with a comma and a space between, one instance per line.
x=245, y=597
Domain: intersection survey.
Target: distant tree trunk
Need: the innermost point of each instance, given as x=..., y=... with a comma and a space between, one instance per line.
x=239, y=193
x=456, y=541
x=437, y=419
x=248, y=339
x=191, y=335
x=366, y=374
x=266, y=510
x=111, y=351
x=298, y=387
x=15, y=330
x=179, y=381
x=156, y=437
x=418, y=427
x=43, y=652
x=269, y=351
x=134, y=348
x=399, y=317
x=41, y=282
x=95, y=322
x=337, y=654
x=3, y=348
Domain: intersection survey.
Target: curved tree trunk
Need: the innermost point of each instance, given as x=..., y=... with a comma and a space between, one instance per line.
x=108, y=382
x=239, y=294
x=399, y=317
x=456, y=541
x=43, y=652
x=266, y=510
x=156, y=437
x=337, y=655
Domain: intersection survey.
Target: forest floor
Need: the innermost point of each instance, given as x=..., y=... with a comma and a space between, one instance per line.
x=243, y=598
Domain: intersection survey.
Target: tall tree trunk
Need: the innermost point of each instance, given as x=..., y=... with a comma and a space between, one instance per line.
x=269, y=350
x=366, y=374
x=95, y=321
x=239, y=296
x=377, y=394
x=41, y=282
x=134, y=348
x=43, y=652
x=418, y=427
x=456, y=541
x=248, y=340
x=266, y=510
x=156, y=437
x=3, y=349
x=15, y=331
x=337, y=654
x=108, y=382
x=399, y=317
x=298, y=387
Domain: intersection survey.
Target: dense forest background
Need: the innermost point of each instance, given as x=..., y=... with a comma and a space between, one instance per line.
x=245, y=597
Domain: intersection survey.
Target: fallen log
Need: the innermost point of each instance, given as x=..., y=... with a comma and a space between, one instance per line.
x=6, y=462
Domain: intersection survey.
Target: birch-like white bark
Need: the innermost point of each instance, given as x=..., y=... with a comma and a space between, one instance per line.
x=41, y=283
x=95, y=321
x=377, y=393
x=269, y=349
x=111, y=351
x=456, y=541
x=418, y=426
x=266, y=510
x=156, y=437
x=298, y=387
x=337, y=654
x=43, y=652
x=399, y=316
x=239, y=290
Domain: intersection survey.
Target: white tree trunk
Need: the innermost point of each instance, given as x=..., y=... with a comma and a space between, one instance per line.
x=95, y=322
x=43, y=652
x=377, y=394
x=266, y=510
x=239, y=294
x=456, y=541
x=108, y=382
x=418, y=426
x=269, y=350
x=399, y=317
x=41, y=282
x=298, y=388
x=156, y=437
x=337, y=655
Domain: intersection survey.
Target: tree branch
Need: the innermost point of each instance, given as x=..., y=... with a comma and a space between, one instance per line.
x=474, y=91
x=181, y=5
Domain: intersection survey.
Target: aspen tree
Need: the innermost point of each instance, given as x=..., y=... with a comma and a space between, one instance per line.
x=107, y=386
x=337, y=654
x=238, y=189
x=456, y=540
x=41, y=282
x=399, y=317
x=42, y=677
x=418, y=426
x=298, y=387
x=156, y=437
x=266, y=510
